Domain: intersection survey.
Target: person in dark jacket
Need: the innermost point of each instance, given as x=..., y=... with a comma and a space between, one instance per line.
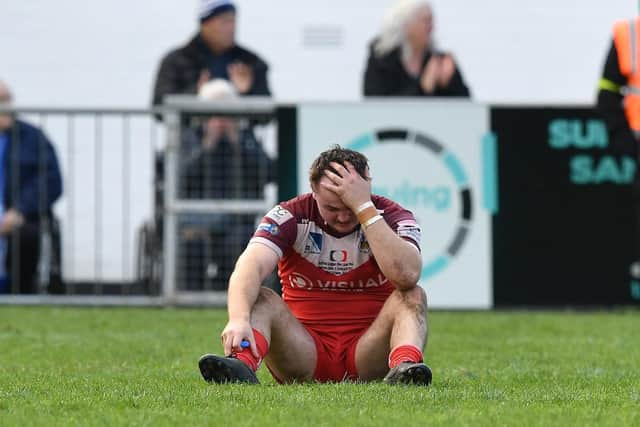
x=220, y=160
x=402, y=60
x=212, y=54
x=618, y=103
x=30, y=184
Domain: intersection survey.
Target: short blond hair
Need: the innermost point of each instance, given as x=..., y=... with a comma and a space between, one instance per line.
x=217, y=90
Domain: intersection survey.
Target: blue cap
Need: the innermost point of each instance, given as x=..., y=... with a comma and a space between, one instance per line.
x=210, y=8
x=245, y=344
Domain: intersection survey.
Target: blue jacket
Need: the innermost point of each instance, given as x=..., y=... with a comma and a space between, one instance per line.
x=31, y=152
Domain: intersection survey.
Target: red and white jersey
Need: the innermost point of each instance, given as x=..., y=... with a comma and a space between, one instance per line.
x=326, y=278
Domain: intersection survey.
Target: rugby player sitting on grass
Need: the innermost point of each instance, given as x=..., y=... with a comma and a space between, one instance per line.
x=349, y=264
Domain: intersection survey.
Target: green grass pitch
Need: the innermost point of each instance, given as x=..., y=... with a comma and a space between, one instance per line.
x=83, y=366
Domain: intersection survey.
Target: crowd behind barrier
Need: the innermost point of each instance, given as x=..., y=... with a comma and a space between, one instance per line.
x=517, y=203
x=558, y=234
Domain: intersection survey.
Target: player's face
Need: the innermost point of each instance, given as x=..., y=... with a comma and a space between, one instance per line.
x=335, y=214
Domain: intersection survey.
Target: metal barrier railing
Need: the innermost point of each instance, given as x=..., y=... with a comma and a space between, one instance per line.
x=120, y=222
x=177, y=206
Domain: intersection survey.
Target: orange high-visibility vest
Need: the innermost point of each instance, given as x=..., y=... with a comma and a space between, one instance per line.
x=626, y=36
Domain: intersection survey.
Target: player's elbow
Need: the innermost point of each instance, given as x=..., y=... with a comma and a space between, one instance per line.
x=406, y=277
x=405, y=285
x=412, y=276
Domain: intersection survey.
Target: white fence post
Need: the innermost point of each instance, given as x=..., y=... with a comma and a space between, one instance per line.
x=172, y=119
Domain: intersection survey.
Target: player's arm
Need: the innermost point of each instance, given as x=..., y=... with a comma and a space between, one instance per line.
x=252, y=268
x=399, y=260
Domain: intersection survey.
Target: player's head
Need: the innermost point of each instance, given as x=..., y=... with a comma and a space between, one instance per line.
x=333, y=211
x=339, y=155
x=6, y=120
x=218, y=23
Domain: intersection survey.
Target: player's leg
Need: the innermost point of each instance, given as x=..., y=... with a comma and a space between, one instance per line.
x=292, y=352
x=288, y=349
x=400, y=327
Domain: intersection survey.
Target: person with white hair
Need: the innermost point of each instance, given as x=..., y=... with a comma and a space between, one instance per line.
x=220, y=159
x=212, y=54
x=403, y=60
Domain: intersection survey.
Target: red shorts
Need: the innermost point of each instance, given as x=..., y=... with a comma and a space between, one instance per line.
x=336, y=340
x=336, y=350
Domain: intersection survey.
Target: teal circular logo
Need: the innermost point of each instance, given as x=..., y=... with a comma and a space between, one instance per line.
x=456, y=174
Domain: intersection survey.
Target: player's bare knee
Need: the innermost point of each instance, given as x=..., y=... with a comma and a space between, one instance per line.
x=267, y=303
x=267, y=297
x=414, y=298
x=268, y=306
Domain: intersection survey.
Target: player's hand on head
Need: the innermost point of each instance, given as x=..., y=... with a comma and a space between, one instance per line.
x=346, y=182
x=234, y=333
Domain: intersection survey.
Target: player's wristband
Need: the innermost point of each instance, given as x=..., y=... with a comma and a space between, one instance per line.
x=372, y=221
x=364, y=206
x=367, y=213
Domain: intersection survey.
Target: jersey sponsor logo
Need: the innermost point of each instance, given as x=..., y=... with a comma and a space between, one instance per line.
x=279, y=214
x=363, y=245
x=269, y=228
x=409, y=229
x=338, y=256
x=300, y=281
x=313, y=244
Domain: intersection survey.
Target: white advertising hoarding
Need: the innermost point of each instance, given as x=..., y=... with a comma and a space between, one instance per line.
x=436, y=160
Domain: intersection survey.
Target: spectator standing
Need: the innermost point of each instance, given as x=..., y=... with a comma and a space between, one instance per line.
x=619, y=104
x=212, y=54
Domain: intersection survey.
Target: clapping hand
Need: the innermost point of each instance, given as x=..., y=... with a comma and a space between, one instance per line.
x=437, y=73
x=241, y=75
